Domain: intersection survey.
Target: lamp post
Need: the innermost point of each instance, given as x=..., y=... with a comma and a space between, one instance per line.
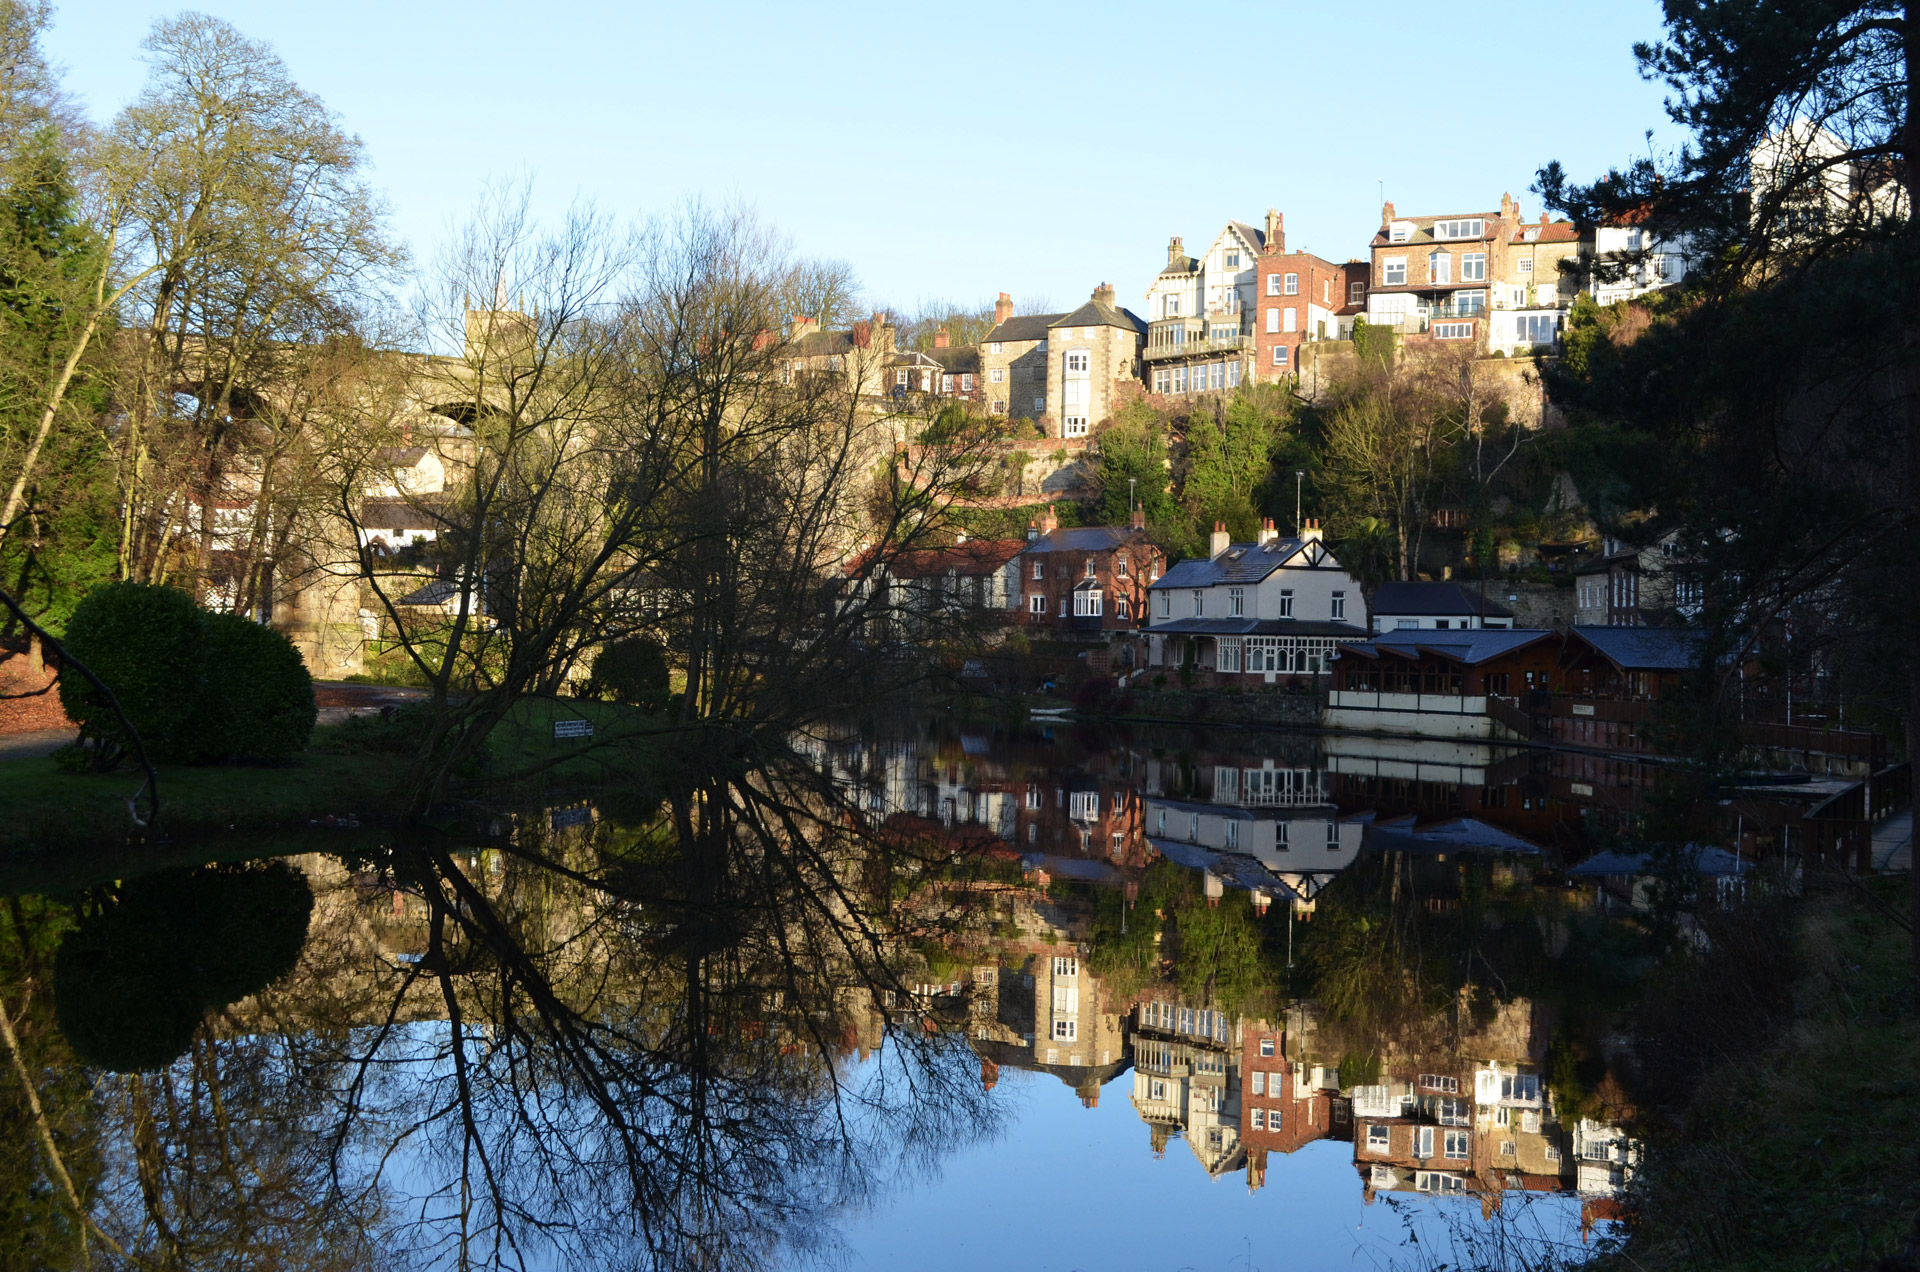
x=1299, y=477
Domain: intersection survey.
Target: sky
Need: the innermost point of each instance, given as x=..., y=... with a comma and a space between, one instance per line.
x=948, y=153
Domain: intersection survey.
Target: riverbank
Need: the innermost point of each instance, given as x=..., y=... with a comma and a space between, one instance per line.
x=350, y=772
x=1788, y=1142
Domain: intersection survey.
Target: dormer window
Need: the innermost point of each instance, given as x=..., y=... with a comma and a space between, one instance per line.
x=1399, y=231
x=1459, y=229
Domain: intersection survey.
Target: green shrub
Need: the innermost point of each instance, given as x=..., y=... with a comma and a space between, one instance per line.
x=256, y=700
x=142, y=641
x=633, y=672
x=198, y=687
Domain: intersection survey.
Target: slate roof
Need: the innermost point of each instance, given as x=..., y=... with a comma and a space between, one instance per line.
x=1181, y=265
x=1240, y=563
x=816, y=344
x=1643, y=648
x=1434, y=598
x=1257, y=627
x=957, y=358
x=1085, y=539
x=1023, y=327
x=1100, y=314
x=397, y=514
x=1472, y=646
x=1257, y=238
x=1423, y=229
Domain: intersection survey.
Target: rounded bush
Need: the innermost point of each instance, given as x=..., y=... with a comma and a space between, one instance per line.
x=633, y=672
x=143, y=641
x=199, y=687
x=256, y=698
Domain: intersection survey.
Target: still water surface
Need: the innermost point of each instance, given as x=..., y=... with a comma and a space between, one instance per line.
x=910, y=994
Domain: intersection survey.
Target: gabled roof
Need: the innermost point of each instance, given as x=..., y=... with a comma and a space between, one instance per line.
x=1086, y=539
x=1256, y=239
x=1247, y=563
x=1423, y=228
x=912, y=358
x=1097, y=313
x=1434, y=598
x=1695, y=857
x=1022, y=327
x=1469, y=647
x=1642, y=648
x=957, y=359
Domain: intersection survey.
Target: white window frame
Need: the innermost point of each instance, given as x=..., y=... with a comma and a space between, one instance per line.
x=1290, y=320
x=996, y=375
x=1440, y=267
x=1279, y=355
x=1273, y=284
x=1393, y=271
x=1356, y=293
x=1292, y=285
x=1236, y=602
x=1273, y=321
x=1078, y=362
x=1286, y=602
x=1453, y=330
x=1379, y=1138
x=1073, y=426
x=1473, y=267
x=1199, y=603
x=1338, y=609
x=1036, y=603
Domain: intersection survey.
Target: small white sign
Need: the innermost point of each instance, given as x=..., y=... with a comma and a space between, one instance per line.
x=1583, y=708
x=572, y=729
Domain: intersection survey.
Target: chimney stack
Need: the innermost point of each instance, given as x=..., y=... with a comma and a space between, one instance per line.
x=1219, y=541
x=1175, y=253
x=940, y=339
x=1048, y=522
x=1103, y=294
x=862, y=335
x=1386, y=213
x=1310, y=531
x=1139, y=519
x=1267, y=532
x=1002, y=309
x=802, y=324
x=1509, y=210
x=1276, y=231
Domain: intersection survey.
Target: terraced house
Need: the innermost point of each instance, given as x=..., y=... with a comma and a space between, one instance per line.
x=1063, y=371
x=1485, y=279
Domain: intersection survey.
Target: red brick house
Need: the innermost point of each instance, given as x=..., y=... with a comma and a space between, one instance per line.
x=1083, y=582
x=1299, y=297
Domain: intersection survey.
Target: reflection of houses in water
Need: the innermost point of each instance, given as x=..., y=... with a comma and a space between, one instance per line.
x=1041, y=1009
x=1186, y=1080
x=1285, y=1104
x=1270, y=829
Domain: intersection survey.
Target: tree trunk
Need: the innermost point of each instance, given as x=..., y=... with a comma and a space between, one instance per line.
x=1910, y=146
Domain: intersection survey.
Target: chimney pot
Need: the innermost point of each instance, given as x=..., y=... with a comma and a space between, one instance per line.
x=1002, y=309
x=1139, y=519
x=1386, y=213
x=1174, y=250
x=940, y=338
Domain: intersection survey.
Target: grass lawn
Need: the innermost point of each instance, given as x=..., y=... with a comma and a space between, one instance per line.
x=46, y=807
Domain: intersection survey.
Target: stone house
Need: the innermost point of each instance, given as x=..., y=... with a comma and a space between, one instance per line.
x=1087, y=581
x=861, y=355
x=959, y=369
x=1013, y=362
x=1090, y=353
x=1536, y=280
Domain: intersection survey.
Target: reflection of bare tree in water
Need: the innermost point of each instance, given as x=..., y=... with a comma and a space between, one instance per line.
x=650, y=1062
x=639, y=1048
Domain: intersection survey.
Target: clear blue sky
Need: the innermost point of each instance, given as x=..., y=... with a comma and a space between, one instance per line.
x=943, y=151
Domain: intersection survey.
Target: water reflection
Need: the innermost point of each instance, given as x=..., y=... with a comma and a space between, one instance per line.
x=716, y=1029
